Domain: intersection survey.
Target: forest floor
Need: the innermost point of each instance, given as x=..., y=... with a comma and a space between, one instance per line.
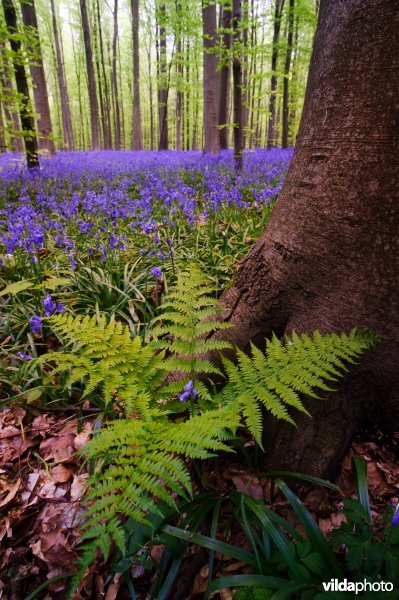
x=43, y=480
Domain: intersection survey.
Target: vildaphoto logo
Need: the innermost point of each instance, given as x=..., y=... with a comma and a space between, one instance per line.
x=335, y=585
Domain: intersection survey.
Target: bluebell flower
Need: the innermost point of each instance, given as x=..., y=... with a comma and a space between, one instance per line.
x=157, y=272
x=48, y=305
x=36, y=323
x=395, y=519
x=189, y=392
x=24, y=356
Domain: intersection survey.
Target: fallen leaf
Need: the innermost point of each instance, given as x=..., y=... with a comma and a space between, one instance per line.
x=61, y=474
x=11, y=494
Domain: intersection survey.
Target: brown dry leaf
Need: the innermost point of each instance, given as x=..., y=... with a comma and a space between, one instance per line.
x=42, y=424
x=248, y=485
x=114, y=588
x=61, y=474
x=375, y=479
x=391, y=472
x=331, y=522
x=78, y=486
x=236, y=566
x=12, y=492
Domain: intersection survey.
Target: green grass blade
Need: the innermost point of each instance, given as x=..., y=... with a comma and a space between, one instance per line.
x=359, y=467
x=302, y=477
x=212, y=544
x=235, y=581
x=314, y=534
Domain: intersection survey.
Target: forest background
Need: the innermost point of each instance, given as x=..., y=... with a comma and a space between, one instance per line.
x=123, y=75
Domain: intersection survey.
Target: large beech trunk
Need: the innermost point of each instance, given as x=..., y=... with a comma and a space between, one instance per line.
x=210, y=60
x=329, y=258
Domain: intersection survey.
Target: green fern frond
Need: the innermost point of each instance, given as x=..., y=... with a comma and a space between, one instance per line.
x=277, y=378
x=108, y=361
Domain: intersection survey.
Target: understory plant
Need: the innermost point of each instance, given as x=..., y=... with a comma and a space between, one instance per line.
x=160, y=413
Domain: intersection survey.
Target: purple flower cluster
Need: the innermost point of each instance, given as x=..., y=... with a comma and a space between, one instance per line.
x=93, y=204
x=189, y=392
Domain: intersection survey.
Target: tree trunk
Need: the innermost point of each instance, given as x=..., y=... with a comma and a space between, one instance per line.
x=11, y=115
x=65, y=108
x=224, y=79
x=271, y=126
x=115, y=79
x=25, y=106
x=287, y=66
x=211, y=107
x=38, y=77
x=3, y=144
x=237, y=87
x=179, y=78
x=137, y=135
x=162, y=81
x=107, y=104
x=92, y=89
x=329, y=258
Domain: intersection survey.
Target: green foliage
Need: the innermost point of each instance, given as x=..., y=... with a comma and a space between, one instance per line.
x=112, y=364
x=139, y=462
x=277, y=378
x=289, y=563
x=189, y=316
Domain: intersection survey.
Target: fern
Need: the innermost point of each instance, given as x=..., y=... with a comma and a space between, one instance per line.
x=139, y=461
x=109, y=361
x=189, y=315
x=277, y=379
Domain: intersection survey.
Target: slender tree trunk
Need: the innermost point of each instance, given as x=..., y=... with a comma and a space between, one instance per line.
x=137, y=135
x=107, y=103
x=287, y=67
x=25, y=106
x=115, y=79
x=258, y=129
x=38, y=77
x=224, y=79
x=3, y=143
x=271, y=126
x=122, y=111
x=245, y=70
x=179, y=79
x=151, y=92
x=102, y=126
x=237, y=86
x=211, y=107
x=329, y=258
x=162, y=81
x=92, y=88
x=65, y=108
x=11, y=115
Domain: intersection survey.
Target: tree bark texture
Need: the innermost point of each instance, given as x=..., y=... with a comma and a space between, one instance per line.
x=62, y=85
x=237, y=86
x=329, y=257
x=162, y=82
x=42, y=107
x=21, y=81
x=272, y=122
x=91, y=79
x=115, y=79
x=137, y=135
x=211, y=106
x=287, y=67
x=107, y=104
x=224, y=79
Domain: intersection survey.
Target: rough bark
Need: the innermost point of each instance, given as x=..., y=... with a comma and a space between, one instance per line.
x=271, y=126
x=21, y=81
x=224, y=79
x=137, y=135
x=237, y=87
x=287, y=67
x=211, y=107
x=39, y=79
x=329, y=258
x=65, y=108
x=91, y=79
x=179, y=79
